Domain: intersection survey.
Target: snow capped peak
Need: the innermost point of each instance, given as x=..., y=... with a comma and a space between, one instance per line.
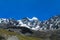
x=29, y=23
x=34, y=18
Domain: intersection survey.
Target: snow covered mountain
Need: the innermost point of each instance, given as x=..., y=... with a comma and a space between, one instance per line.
x=4, y=22
x=33, y=23
x=30, y=23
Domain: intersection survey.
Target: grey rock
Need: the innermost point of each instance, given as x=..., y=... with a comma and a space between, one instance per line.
x=12, y=38
x=2, y=38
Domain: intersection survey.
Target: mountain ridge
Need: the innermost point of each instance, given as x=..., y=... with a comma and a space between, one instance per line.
x=34, y=23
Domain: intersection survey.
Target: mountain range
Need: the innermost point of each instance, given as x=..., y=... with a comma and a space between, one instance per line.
x=48, y=29
x=33, y=24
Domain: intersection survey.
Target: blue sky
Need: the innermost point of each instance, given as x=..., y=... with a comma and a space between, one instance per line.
x=42, y=9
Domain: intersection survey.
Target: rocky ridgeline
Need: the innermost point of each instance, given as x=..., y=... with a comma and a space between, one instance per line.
x=33, y=24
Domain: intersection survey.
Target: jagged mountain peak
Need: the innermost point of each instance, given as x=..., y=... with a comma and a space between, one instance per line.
x=33, y=23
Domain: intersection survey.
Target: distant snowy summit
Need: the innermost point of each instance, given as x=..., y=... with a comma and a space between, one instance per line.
x=33, y=23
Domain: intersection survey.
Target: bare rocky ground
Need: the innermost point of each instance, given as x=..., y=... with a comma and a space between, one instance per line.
x=48, y=35
x=12, y=38
x=44, y=35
